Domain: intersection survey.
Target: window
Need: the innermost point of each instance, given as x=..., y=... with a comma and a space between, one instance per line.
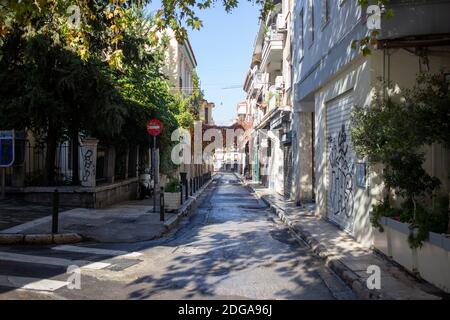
x=325, y=12
x=206, y=115
x=311, y=19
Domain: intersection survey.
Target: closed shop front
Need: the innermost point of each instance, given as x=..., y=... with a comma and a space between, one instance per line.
x=341, y=161
x=287, y=168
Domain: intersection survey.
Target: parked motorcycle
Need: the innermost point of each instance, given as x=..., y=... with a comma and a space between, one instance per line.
x=146, y=184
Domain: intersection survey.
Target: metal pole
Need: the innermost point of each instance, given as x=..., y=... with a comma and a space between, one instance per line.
x=186, y=185
x=181, y=192
x=161, y=205
x=3, y=183
x=190, y=185
x=55, y=216
x=154, y=173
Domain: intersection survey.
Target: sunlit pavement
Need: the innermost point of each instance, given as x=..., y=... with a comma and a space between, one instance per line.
x=231, y=248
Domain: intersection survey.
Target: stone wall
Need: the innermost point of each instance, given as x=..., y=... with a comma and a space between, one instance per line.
x=98, y=197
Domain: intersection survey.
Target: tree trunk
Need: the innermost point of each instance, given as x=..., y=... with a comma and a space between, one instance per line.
x=448, y=228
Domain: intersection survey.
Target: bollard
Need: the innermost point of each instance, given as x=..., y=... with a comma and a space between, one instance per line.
x=190, y=184
x=161, y=205
x=181, y=192
x=3, y=194
x=55, y=215
x=186, y=185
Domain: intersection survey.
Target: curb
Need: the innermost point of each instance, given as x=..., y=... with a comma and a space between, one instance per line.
x=187, y=208
x=39, y=239
x=69, y=238
x=347, y=275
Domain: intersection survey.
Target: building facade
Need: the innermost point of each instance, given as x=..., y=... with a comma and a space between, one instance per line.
x=269, y=97
x=180, y=63
x=330, y=78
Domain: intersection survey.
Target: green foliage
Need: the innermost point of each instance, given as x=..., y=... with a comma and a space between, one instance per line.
x=173, y=186
x=102, y=80
x=177, y=14
x=435, y=220
x=393, y=131
x=383, y=209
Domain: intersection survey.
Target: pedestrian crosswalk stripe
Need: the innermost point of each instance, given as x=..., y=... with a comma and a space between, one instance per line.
x=31, y=283
x=8, y=256
x=119, y=253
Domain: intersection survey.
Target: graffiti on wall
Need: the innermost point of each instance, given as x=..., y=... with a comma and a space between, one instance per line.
x=341, y=192
x=88, y=165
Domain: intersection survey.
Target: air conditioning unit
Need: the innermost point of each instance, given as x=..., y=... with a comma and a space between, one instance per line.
x=279, y=82
x=281, y=22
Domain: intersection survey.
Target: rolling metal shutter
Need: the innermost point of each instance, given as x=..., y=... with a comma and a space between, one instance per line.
x=340, y=163
x=287, y=168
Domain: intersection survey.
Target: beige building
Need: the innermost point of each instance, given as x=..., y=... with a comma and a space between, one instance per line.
x=180, y=63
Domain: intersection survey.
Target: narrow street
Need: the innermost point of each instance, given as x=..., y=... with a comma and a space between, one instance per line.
x=231, y=248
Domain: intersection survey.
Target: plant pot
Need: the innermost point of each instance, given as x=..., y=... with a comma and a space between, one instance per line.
x=380, y=238
x=172, y=201
x=399, y=245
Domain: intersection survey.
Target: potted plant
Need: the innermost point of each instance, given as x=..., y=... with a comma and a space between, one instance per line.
x=172, y=192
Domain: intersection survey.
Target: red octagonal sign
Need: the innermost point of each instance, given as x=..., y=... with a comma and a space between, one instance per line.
x=154, y=127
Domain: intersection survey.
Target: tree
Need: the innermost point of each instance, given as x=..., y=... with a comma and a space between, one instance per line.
x=57, y=92
x=393, y=132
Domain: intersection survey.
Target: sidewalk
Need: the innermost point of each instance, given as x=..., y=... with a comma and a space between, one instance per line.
x=343, y=254
x=132, y=221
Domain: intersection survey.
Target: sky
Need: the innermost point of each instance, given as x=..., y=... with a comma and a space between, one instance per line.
x=223, y=49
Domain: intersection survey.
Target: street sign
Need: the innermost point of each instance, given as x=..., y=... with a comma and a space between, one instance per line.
x=6, y=148
x=154, y=127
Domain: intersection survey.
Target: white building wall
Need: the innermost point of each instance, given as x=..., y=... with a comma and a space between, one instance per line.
x=329, y=69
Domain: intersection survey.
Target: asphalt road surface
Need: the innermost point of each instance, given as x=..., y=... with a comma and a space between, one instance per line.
x=231, y=248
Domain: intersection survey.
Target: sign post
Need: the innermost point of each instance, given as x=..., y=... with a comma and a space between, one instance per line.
x=6, y=155
x=154, y=128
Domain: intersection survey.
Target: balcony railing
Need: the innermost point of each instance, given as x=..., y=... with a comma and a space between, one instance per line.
x=272, y=42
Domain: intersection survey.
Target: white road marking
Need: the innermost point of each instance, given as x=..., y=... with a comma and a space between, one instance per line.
x=31, y=283
x=117, y=253
x=28, y=225
x=8, y=256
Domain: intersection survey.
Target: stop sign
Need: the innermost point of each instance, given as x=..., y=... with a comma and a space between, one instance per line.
x=154, y=127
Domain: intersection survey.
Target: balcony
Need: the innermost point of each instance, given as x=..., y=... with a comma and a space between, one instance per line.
x=272, y=53
x=416, y=18
x=257, y=82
